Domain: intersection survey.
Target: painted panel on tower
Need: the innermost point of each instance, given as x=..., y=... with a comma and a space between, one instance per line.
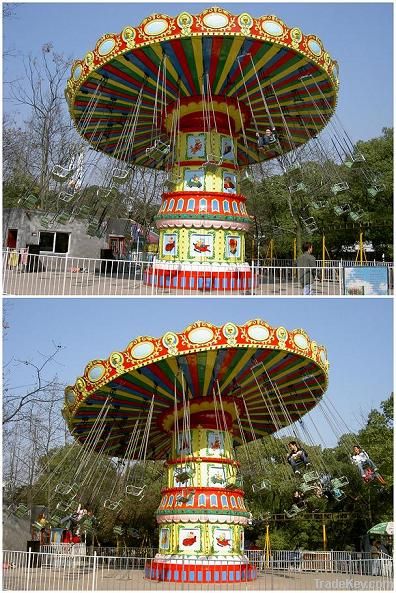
x=194, y=180
x=169, y=244
x=229, y=182
x=222, y=540
x=201, y=245
x=227, y=149
x=195, y=146
x=190, y=539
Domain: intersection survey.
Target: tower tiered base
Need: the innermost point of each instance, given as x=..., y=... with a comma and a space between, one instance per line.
x=211, y=277
x=200, y=570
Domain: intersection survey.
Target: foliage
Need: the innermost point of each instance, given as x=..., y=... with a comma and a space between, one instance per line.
x=279, y=214
x=365, y=504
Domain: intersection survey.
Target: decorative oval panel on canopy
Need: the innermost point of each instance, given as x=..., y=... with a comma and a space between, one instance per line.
x=242, y=59
x=269, y=376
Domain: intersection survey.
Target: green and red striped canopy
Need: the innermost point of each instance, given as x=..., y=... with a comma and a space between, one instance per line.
x=273, y=375
x=234, y=58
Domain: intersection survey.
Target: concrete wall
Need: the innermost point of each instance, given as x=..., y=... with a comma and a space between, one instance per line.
x=16, y=532
x=28, y=224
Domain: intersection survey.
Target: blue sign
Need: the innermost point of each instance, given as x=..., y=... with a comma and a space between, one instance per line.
x=366, y=280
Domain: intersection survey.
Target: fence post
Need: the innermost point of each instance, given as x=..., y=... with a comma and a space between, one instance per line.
x=29, y=566
x=64, y=274
x=94, y=568
x=340, y=276
x=253, y=275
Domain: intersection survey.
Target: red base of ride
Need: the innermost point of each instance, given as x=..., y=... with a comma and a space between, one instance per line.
x=169, y=572
x=227, y=281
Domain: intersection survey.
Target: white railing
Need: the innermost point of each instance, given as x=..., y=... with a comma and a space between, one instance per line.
x=291, y=570
x=42, y=275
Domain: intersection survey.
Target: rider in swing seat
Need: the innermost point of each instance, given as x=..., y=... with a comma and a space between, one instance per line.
x=297, y=456
x=268, y=138
x=362, y=460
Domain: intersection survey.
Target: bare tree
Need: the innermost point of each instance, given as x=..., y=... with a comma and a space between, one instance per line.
x=48, y=134
x=39, y=390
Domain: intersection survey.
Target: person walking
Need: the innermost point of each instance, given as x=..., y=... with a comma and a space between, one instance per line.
x=375, y=558
x=305, y=262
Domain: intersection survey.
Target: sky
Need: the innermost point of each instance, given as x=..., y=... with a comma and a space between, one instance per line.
x=356, y=332
x=358, y=35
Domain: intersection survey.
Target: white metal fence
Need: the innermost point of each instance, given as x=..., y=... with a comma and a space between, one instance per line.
x=42, y=275
x=285, y=570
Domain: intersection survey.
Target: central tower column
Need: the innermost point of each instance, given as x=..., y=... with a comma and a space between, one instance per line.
x=202, y=512
x=203, y=218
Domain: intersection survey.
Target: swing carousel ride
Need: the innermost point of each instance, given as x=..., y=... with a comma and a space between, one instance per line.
x=191, y=97
x=190, y=398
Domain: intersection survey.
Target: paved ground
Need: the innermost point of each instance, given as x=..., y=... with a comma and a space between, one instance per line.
x=16, y=282
x=52, y=579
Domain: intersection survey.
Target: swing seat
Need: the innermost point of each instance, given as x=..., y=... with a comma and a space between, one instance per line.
x=319, y=204
x=66, y=489
x=184, y=499
x=298, y=189
x=294, y=510
x=356, y=216
x=46, y=221
x=355, y=160
x=112, y=505
x=310, y=224
x=159, y=148
x=345, y=209
x=29, y=202
x=118, y=530
x=55, y=520
x=63, y=218
x=172, y=183
x=135, y=490
x=307, y=487
x=212, y=161
x=218, y=480
x=310, y=477
x=263, y=485
x=21, y=511
x=106, y=192
x=62, y=174
x=85, y=211
x=339, y=482
x=64, y=507
x=86, y=525
x=338, y=494
x=93, y=231
x=120, y=176
x=373, y=190
x=234, y=483
x=66, y=196
x=182, y=474
x=133, y=532
x=339, y=187
x=293, y=168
